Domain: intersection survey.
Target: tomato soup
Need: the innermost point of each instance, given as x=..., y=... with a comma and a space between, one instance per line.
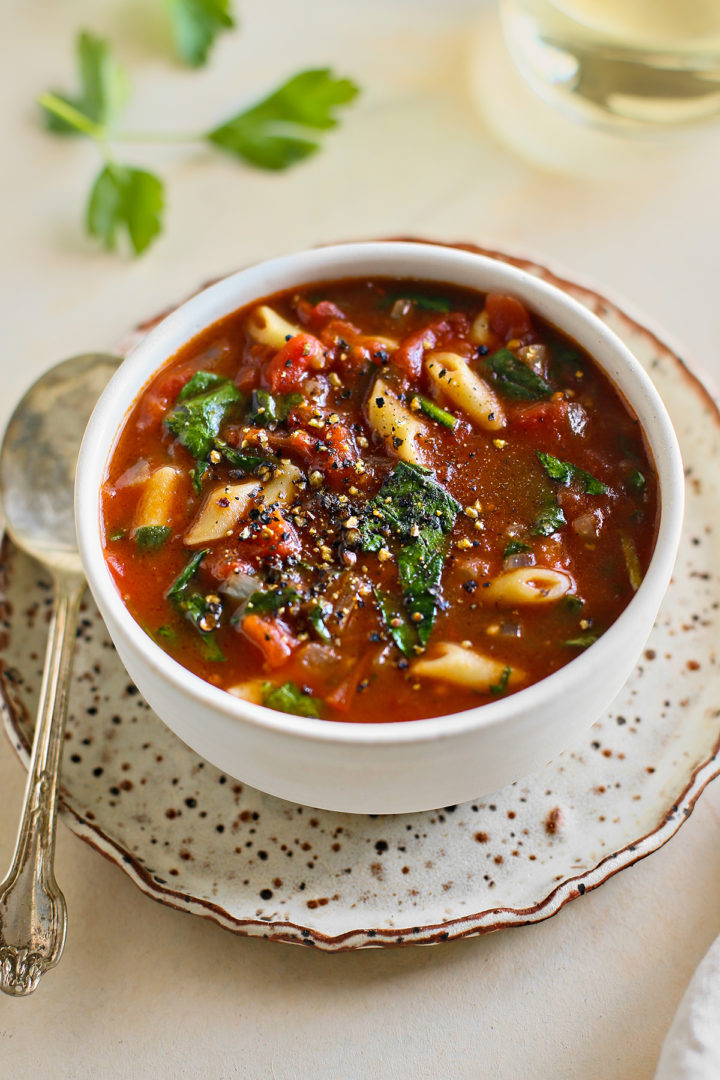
x=378, y=500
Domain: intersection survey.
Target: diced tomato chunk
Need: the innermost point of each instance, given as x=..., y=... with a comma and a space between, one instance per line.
x=224, y=563
x=272, y=637
x=276, y=537
x=508, y=317
x=550, y=423
x=317, y=315
x=550, y=417
x=287, y=369
x=409, y=354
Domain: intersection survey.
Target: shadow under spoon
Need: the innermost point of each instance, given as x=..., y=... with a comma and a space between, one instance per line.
x=37, y=469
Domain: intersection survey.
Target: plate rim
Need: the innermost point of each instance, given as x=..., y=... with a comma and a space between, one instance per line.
x=474, y=924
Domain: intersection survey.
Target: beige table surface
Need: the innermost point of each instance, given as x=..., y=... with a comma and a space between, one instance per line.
x=144, y=991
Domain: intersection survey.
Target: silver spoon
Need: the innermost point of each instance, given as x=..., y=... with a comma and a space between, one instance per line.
x=37, y=468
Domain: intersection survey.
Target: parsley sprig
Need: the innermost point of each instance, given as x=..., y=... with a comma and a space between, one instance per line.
x=196, y=24
x=272, y=134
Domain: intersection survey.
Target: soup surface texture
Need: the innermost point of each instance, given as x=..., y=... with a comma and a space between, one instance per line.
x=378, y=500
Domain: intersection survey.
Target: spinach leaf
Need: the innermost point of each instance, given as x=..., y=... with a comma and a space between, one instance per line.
x=420, y=567
x=197, y=419
x=564, y=358
x=515, y=547
x=316, y=618
x=583, y=640
x=198, y=475
x=266, y=409
x=401, y=631
x=435, y=412
x=573, y=603
x=566, y=473
x=515, y=379
x=151, y=537
x=635, y=480
x=500, y=687
x=184, y=578
x=410, y=499
x=199, y=383
x=413, y=510
x=548, y=521
x=271, y=600
x=245, y=463
x=289, y=698
x=194, y=606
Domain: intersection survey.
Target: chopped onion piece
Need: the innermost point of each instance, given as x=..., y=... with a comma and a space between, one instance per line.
x=317, y=388
x=578, y=418
x=510, y=629
x=536, y=357
x=520, y=558
x=400, y=308
x=136, y=474
x=588, y=525
x=240, y=586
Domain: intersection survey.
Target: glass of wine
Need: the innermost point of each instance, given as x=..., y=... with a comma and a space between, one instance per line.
x=620, y=63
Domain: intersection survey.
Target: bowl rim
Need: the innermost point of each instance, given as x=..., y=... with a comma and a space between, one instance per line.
x=430, y=262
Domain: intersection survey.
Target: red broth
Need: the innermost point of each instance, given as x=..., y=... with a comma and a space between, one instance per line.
x=378, y=500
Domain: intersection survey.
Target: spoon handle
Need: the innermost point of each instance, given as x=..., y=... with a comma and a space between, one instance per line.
x=33, y=916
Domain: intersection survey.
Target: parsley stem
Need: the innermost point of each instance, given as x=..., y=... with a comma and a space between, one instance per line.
x=71, y=115
x=156, y=137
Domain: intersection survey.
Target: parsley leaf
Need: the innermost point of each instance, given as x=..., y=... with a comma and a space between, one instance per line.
x=500, y=687
x=197, y=418
x=104, y=86
x=289, y=698
x=270, y=134
x=548, y=521
x=196, y=24
x=124, y=197
x=566, y=473
x=412, y=508
x=515, y=379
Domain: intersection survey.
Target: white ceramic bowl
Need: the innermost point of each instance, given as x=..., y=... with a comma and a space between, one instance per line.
x=389, y=767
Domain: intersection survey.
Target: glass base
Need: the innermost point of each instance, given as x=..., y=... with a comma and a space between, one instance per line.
x=591, y=75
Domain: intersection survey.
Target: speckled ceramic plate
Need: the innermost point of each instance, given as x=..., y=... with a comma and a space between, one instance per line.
x=200, y=841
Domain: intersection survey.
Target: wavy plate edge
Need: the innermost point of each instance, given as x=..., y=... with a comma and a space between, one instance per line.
x=472, y=925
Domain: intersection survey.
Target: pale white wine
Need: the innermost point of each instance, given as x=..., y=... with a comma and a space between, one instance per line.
x=629, y=63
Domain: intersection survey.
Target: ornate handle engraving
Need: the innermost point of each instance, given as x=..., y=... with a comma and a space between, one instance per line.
x=33, y=916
